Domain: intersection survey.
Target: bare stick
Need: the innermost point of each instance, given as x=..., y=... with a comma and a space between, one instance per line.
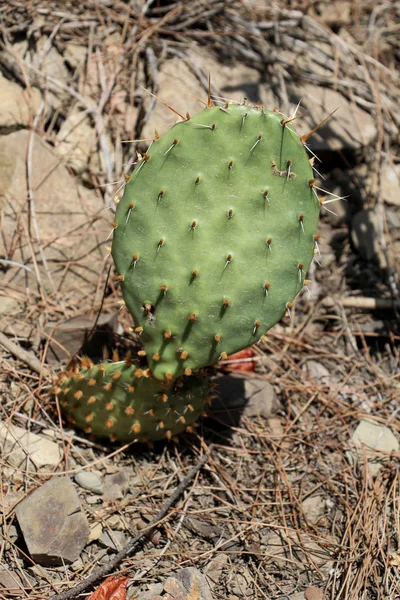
x=130, y=547
x=26, y=357
x=362, y=302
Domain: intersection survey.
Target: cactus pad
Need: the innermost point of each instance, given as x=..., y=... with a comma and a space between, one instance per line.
x=214, y=235
x=123, y=402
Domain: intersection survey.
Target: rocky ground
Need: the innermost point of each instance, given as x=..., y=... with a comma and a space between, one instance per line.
x=299, y=498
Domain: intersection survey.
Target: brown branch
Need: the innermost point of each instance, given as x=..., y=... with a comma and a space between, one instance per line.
x=26, y=357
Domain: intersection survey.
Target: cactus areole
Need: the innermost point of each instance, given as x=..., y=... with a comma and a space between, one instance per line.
x=214, y=235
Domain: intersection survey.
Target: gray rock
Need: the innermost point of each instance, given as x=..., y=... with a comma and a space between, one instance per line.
x=17, y=106
x=115, y=485
x=390, y=181
x=374, y=440
x=52, y=522
x=313, y=509
x=27, y=450
x=89, y=481
x=215, y=567
x=318, y=372
x=238, y=395
x=188, y=583
x=67, y=338
x=154, y=590
x=9, y=305
x=10, y=582
x=114, y=540
x=65, y=207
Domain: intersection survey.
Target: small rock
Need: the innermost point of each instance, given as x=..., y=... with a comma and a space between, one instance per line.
x=318, y=372
x=313, y=509
x=152, y=593
x=10, y=582
x=188, y=584
x=18, y=107
x=8, y=305
x=239, y=396
x=19, y=444
x=54, y=527
x=336, y=13
x=372, y=439
x=313, y=593
x=89, y=481
x=96, y=531
x=390, y=178
x=114, y=540
x=241, y=584
x=115, y=485
x=297, y=596
x=67, y=338
x=213, y=570
x=203, y=528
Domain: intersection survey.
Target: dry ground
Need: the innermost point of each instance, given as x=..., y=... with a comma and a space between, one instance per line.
x=279, y=506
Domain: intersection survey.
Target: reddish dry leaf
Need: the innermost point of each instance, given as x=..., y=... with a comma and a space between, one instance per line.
x=112, y=588
x=241, y=366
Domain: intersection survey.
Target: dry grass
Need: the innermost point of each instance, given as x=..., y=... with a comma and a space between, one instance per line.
x=247, y=504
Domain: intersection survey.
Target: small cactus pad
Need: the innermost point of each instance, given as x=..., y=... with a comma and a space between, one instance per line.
x=123, y=402
x=214, y=235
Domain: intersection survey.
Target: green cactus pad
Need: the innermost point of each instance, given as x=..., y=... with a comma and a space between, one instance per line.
x=214, y=235
x=123, y=402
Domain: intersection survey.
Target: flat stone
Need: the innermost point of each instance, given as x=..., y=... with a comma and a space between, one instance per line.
x=65, y=214
x=390, y=181
x=10, y=584
x=54, y=527
x=188, y=584
x=77, y=142
x=313, y=593
x=238, y=395
x=318, y=372
x=115, y=485
x=18, y=106
x=215, y=567
x=9, y=305
x=26, y=450
x=372, y=439
x=350, y=128
x=313, y=509
x=89, y=481
x=114, y=540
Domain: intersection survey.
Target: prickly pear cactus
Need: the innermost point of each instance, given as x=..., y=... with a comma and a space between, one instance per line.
x=214, y=235
x=123, y=402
